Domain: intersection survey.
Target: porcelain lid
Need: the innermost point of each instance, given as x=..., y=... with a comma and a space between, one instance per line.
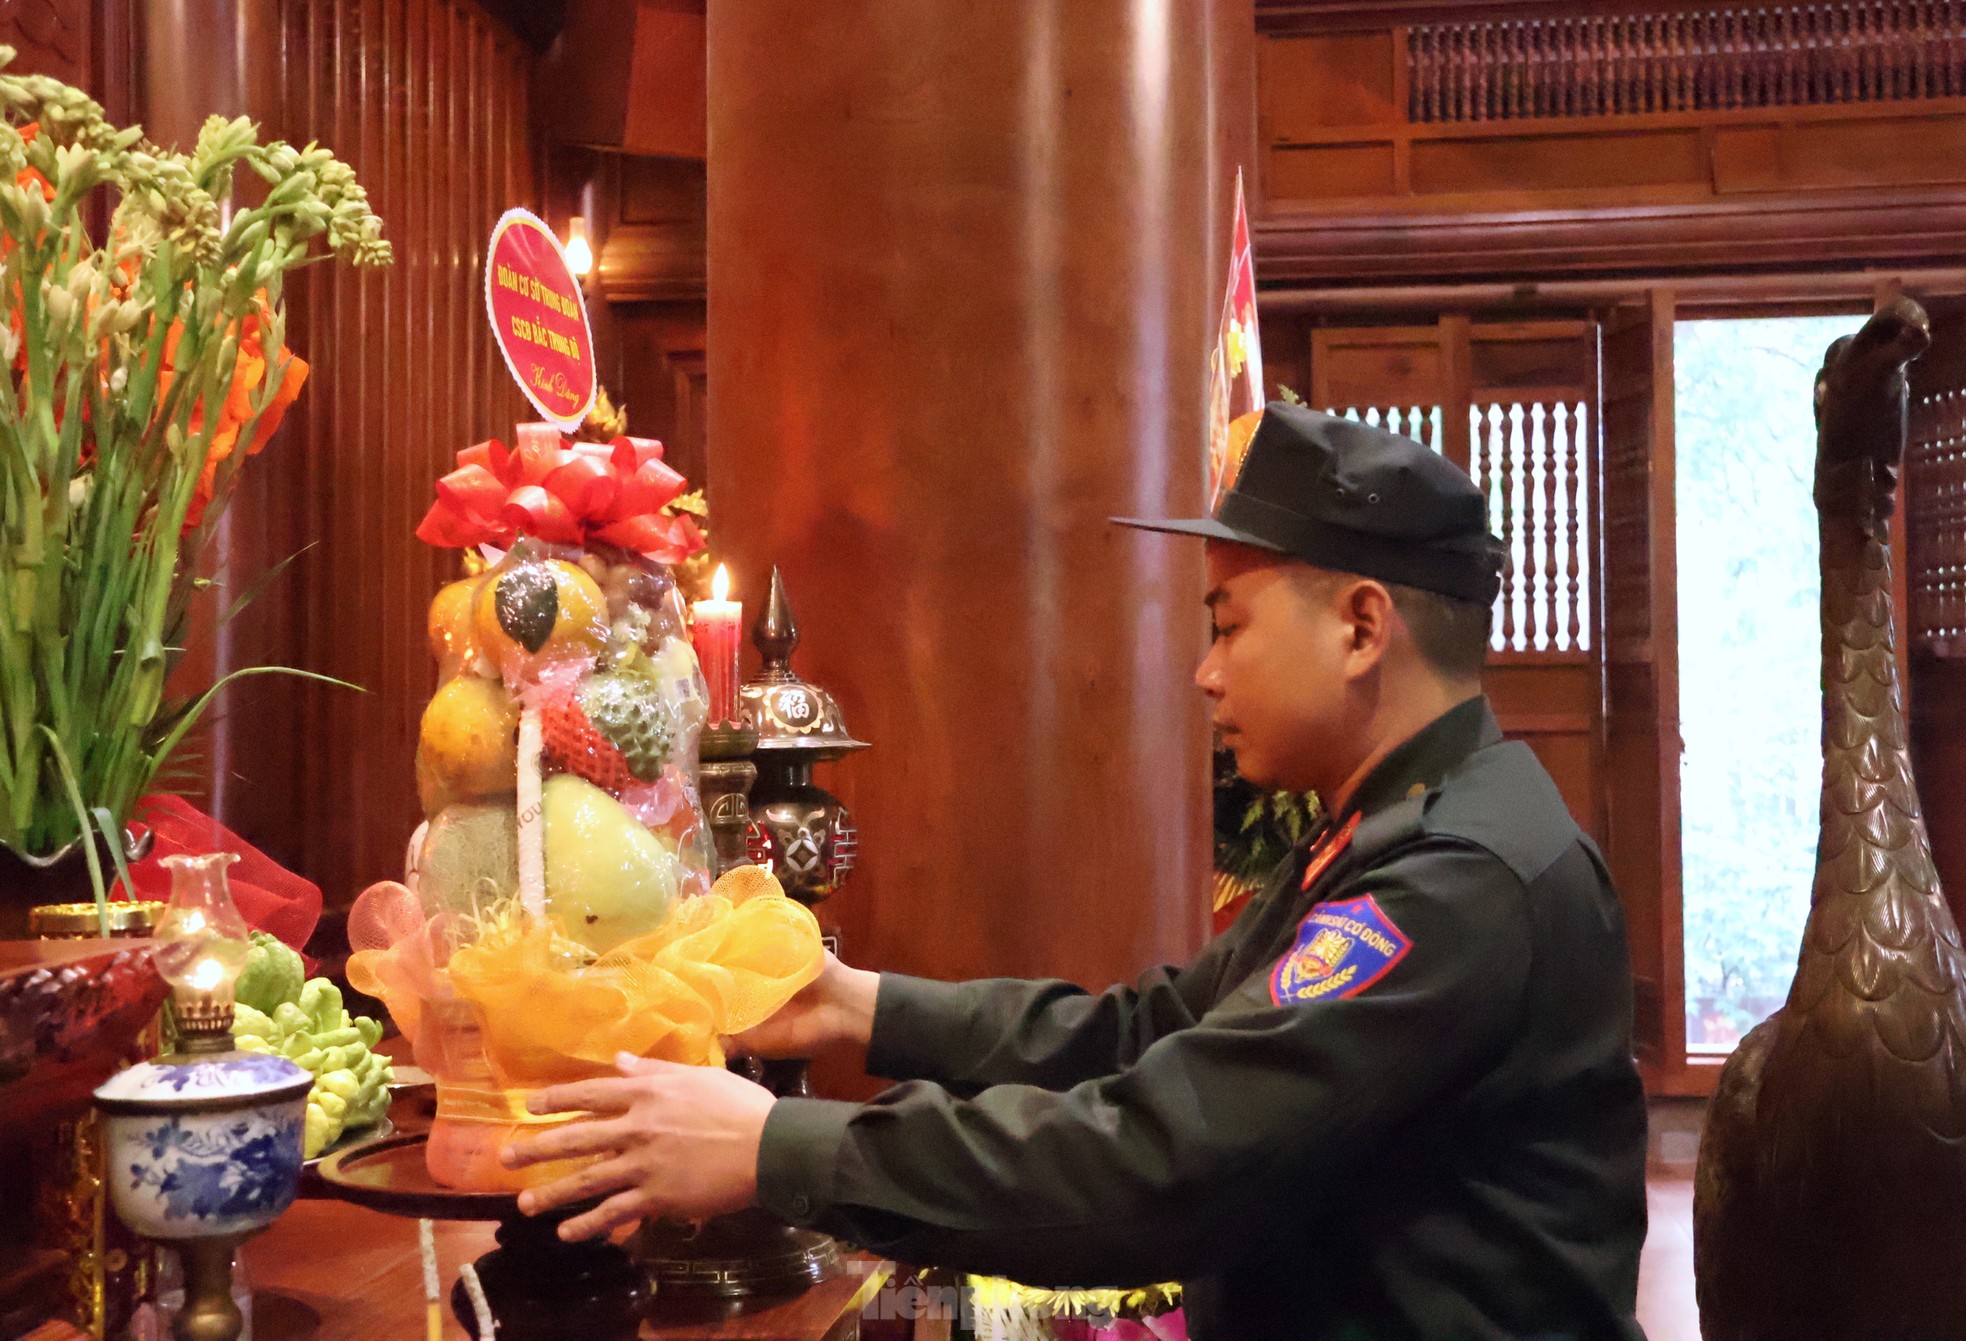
x=194, y=1082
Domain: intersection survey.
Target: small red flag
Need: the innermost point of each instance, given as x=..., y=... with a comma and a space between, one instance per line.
x=1235, y=365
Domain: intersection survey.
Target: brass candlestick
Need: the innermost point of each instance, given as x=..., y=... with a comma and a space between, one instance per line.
x=724, y=776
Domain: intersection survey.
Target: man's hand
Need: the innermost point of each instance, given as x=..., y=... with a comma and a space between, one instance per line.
x=676, y=1140
x=837, y=1007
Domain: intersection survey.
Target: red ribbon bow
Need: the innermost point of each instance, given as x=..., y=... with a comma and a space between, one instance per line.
x=564, y=493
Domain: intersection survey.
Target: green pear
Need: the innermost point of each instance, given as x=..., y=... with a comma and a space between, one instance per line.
x=608, y=879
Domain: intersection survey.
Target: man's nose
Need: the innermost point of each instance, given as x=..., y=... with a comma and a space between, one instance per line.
x=1208, y=678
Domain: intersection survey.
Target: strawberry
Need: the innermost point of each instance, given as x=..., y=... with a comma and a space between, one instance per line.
x=574, y=745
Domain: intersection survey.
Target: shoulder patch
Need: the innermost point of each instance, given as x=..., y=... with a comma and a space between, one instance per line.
x=1341, y=949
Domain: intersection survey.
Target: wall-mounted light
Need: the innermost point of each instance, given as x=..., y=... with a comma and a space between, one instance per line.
x=580, y=254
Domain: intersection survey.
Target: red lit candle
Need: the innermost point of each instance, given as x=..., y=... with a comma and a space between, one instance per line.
x=715, y=632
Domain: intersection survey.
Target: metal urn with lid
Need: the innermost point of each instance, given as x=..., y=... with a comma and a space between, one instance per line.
x=801, y=829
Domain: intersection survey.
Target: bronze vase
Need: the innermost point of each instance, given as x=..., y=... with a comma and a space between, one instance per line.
x=27, y=883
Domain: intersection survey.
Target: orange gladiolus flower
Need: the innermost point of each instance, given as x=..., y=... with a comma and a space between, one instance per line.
x=248, y=376
x=28, y=133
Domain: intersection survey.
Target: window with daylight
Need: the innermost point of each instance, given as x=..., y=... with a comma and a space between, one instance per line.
x=1749, y=660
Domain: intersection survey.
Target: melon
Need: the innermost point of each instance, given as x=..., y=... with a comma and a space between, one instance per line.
x=470, y=857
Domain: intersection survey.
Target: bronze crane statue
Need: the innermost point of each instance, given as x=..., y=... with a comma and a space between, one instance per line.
x=1830, y=1198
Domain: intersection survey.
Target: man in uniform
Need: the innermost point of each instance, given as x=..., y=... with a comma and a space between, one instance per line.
x=1395, y=1099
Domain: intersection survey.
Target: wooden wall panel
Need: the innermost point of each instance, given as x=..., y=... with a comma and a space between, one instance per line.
x=1335, y=79
x=1560, y=162
x=646, y=220
x=1552, y=706
x=1660, y=139
x=429, y=100
x=633, y=75
x=55, y=37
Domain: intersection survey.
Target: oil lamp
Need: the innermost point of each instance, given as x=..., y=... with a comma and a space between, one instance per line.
x=204, y=1143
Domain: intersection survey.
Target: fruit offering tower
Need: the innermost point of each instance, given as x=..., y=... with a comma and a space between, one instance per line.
x=558, y=908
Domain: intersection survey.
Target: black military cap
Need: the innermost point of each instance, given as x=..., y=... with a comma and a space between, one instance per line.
x=1344, y=495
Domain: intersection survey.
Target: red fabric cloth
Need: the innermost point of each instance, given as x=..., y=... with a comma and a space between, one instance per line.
x=270, y=897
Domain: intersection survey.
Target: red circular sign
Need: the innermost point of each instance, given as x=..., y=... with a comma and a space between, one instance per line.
x=539, y=318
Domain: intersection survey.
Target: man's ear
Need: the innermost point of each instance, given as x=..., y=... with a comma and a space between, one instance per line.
x=1368, y=610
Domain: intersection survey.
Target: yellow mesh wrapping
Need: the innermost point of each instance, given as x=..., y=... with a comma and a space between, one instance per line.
x=712, y=968
x=518, y=1009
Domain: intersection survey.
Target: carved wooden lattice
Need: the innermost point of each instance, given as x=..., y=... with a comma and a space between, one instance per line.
x=1632, y=64
x=1532, y=459
x=1935, y=516
x=1419, y=422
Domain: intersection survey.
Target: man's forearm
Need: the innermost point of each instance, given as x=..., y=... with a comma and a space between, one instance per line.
x=995, y=1031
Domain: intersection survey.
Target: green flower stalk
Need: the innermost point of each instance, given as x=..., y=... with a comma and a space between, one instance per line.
x=138, y=372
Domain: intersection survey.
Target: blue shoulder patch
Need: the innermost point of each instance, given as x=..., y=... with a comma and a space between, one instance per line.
x=1341, y=949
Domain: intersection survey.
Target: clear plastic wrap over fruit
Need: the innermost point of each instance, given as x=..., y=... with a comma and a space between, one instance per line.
x=593, y=648
x=557, y=906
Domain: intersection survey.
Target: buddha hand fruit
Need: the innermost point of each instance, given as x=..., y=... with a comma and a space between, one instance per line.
x=273, y=975
x=316, y=1033
x=608, y=879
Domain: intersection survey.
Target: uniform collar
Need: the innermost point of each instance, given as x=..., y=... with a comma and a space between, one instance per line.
x=1427, y=756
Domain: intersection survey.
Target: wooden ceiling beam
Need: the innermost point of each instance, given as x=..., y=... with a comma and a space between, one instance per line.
x=1882, y=229
x=1851, y=286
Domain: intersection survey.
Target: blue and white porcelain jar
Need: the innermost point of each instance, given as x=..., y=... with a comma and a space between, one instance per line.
x=204, y=1144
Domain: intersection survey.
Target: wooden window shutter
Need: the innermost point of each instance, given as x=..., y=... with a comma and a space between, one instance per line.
x=1934, y=510
x=1641, y=665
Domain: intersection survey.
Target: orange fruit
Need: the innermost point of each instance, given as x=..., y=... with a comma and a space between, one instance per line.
x=536, y=612
x=453, y=635
x=469, y=743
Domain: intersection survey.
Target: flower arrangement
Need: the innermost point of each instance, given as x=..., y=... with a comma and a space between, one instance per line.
x=139, y=371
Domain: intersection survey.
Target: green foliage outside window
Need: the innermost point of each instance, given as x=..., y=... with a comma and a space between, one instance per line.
x=1749, y=659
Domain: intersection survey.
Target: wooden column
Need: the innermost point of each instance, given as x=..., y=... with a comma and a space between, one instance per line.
x=960, y=293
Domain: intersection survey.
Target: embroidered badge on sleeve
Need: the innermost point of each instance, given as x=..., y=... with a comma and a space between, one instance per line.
x=1341, y=949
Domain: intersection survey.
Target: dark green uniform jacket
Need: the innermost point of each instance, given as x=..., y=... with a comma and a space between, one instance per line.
x=1400, y=1103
